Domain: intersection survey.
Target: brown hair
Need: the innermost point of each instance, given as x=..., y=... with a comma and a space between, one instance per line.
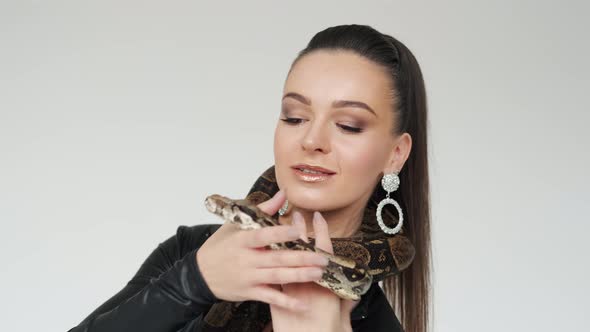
x=408, y=292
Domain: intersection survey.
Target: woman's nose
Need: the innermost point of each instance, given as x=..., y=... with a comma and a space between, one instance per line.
x=316, y=138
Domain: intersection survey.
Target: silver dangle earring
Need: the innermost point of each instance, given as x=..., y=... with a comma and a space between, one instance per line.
x=390, y=183
x=284, y=208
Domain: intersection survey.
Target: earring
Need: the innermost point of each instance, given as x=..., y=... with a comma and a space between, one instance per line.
x=390, y=183
x=284, y=208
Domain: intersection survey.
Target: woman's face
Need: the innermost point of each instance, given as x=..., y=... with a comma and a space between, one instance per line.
x=353, y=142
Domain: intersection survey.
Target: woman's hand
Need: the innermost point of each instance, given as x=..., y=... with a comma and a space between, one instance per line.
x=236, y=266
x=327, y=311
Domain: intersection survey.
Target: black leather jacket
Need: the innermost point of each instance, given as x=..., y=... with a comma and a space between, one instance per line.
x=169, y=294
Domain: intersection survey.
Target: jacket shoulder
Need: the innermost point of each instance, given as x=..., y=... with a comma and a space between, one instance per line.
x=188, y=238
x=184, y=241
x=170, y=282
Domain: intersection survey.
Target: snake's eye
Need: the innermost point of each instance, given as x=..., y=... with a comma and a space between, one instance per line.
x=355, y=274
x=290, y=244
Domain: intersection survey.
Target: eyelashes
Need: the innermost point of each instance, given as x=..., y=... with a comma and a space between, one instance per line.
x=296, y=121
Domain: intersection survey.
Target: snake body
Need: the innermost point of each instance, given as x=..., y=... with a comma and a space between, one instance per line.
x=367, y=257
x=344, y=276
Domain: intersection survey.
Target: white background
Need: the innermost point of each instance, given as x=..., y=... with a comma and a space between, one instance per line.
x=118, y=118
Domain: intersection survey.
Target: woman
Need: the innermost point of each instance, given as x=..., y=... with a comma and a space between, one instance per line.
x=353, y=113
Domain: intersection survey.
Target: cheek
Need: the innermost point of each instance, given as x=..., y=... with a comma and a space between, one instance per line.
x=283, y=149
x=362, y=160
x=282, y=145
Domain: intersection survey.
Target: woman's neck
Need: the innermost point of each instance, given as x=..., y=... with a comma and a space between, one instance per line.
x=342, y=223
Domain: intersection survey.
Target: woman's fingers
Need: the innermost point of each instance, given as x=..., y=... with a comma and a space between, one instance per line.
x=322, y=235
x=290, y=258
x=278, y=298
x=286, y=275
x=267, y=235
x=299, y=222
x=274, y=204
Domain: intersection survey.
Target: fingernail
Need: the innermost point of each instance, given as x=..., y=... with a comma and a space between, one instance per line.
x=297, y=218
x=321, y=260
x=298, y=221
x=317, y=217
x=293, y=232
x=317, y=273
x=279, y=193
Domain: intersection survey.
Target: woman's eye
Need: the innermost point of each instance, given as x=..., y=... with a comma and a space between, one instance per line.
x=351, y=129
x=292, y=120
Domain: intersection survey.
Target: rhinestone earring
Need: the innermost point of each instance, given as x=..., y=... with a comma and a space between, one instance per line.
x=390, y=183
x=284, y=208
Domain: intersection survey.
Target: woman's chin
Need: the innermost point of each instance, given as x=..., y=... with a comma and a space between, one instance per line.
x=309, y=199
x=309, y=195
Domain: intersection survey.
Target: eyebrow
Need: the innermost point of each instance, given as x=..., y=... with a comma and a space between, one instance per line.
x=335, y=104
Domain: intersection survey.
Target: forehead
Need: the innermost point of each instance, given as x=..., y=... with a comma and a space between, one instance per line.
x=324, y=76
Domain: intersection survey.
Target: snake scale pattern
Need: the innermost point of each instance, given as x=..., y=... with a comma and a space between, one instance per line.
x=367, y=257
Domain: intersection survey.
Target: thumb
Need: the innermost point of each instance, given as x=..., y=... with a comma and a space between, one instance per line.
x=348, y=305
x=322, y=234
x=272, y=205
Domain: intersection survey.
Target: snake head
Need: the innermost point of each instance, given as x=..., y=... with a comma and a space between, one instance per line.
x=216, y=203
x=239, y=211
x=345, y=276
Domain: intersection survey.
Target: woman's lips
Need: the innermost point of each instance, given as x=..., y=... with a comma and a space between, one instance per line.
x=311, y=177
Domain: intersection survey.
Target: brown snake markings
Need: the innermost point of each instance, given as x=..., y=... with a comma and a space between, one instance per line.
x=367, y=257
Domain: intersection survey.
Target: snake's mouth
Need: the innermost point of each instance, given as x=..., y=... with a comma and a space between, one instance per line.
x=210, y=204
x=216, y=203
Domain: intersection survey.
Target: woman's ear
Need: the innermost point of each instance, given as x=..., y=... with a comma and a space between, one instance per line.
x=399, y=154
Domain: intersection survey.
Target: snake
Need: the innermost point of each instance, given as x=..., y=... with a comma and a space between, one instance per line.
x=357, y=262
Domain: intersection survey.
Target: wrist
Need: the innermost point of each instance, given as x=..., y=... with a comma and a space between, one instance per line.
x=344, y=326
x=340, y=326
x=347, y=328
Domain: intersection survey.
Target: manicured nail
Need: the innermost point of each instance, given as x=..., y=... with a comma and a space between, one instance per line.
x=317, y=218
x=317, y=273
x=298, y=221
x=279, y=193
x=321, y=260
x=293, y=232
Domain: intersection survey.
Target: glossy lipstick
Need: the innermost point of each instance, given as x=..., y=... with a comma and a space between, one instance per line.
x=309, y=173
